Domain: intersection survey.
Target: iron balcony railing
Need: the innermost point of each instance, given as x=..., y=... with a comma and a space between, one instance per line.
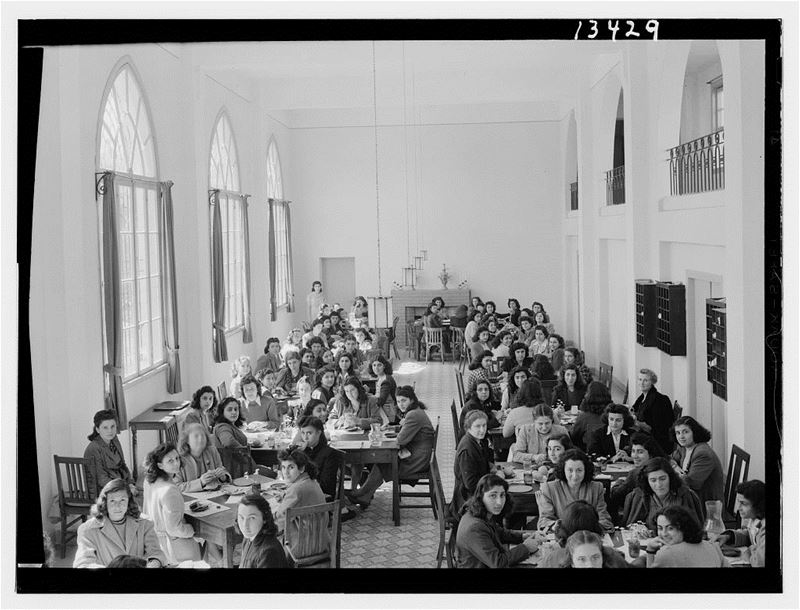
x=615, y=186
x=698, y=166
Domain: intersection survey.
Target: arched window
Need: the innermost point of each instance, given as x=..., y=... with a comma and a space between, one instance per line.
x=126, y=149
x=280, y=232
x=223, y=175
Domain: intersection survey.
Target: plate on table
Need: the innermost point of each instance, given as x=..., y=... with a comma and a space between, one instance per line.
x=390, y=434
x=519, y=489
x=353, y=429
x=278, y=485
x=256, y=426
x=235, y=490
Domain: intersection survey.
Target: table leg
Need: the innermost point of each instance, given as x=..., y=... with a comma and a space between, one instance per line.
x=133, y=453
x=395, y=490
x=228, y=547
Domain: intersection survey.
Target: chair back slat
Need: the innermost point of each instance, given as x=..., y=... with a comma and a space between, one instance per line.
x=76, y=479
x=738, y=469
x=605, y=374
x=315, y=532
x=222, y=390
x=460, y=386
x=171, y=432
x=456, y=427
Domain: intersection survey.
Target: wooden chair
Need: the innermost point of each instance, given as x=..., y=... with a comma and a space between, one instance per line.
x=75, y=498
x=412, y=345
x=171, y=432
x=457, y=342
x=605, y=374
x=222, y=391
x=433, y=338
x=677, y=410
x=738, y=469
x=547, y=389
x=391, y=336
x=445, y=549
x=316, y=526
x=460, y=386
x=341, y=475
x=457, y=433
x=423, y=478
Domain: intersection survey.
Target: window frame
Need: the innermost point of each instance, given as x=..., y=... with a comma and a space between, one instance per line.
x=230, y=201
x=282, y=237
x=127, y=178
x=717, y=87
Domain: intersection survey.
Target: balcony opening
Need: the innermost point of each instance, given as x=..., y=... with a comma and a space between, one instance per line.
x=615, y=177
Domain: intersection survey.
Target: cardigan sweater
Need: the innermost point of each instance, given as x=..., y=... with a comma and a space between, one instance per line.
x=481, y=544
x=556, y=496
x=192, y=468
x=227, y=435
x=163, y=505
x=264, y=409
x=323, y=456
x=99, y=544
x=105, y=464
x=704, y=473
x=263, y=552
x=704, y=554
x=416, y=435
x=602, y=442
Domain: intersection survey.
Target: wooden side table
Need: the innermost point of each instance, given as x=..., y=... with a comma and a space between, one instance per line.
x=151, y=420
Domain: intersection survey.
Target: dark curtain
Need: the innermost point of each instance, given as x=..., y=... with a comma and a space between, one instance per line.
x=217, y=282
x=169, y=290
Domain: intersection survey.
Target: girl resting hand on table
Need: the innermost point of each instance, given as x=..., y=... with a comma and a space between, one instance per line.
x=481, y=539
x=750, y=497
x=201, y=464
x=680, y=543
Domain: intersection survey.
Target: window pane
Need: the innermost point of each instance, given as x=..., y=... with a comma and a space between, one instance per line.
x=124, y=218
x=145, y=358
x=126, y=256
x=155, y=296
x=141, y=255
x=154, y=257
x=129, y=352
x=143, y=299
x=158, y=341
x=152, y=210
x=127, y=305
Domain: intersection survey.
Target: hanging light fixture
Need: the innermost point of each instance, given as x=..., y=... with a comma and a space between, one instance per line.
x=409, y=276
x=418, y=263
x=379, y=307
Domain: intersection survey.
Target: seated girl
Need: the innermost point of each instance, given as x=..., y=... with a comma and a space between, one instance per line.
x=300, y=473
x=481, y=539
x=557, y=446
x=614, y=440
x=293, y=343
x=518, y=358
x=516, y=378
x=471, y=330
x=115, y=518
x=572, y=355
x=569, y=390
x=643, y=449
x=104, y=455
x=526, y=332
x=202, y=409
x=201, y=466
x=363, y=339
x=286, y=380
x=578, y=516
x=542, y=369
x=528, y=396
x=415, y=440
x=228, y=425
x=750, y=497
x=480, y=343
x=542, y=319
x=355, y=408
x=271, y=359
x=240, y=368
x=502, y=344
x=482, y=400
x=473, y=459
x=163, y=504
x=513, y=311
x=695, y=461
x=573, y=481
x=590, y=418
x=316, y=331
x=556, y=346
x=658, y=487
x=539, y=345
x=480, y=370
x=532, y=438
x=325, y=384
x=258, y=406
x=680, y=543
x=385, y=387
x=261, y=547
x=586, y=550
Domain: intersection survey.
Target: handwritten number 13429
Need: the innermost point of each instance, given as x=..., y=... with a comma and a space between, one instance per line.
x=613, y=27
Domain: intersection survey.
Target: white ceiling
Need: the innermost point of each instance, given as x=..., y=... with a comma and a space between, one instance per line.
x=319, y=75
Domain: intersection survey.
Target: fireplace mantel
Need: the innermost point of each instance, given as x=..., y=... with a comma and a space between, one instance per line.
x=407, y=298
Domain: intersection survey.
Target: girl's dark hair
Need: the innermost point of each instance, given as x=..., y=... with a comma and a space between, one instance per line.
x=512, y=385
x=575, y=455
x=542, y=410
x=313, y=402
x=353, y=381
x=542, y=368
x=473, y=415
x=578, y=515
x=756, y=492
x=475, y=505
x=699, y=433
x=364, y=331
x=152, y=471
x=579, y=385
x=517, y=345
x=654, y=464
x=220, y=418
x=558, y=338
x=269, y=528
x=350, y=369
x=434, y=299
x=99, y=509
x=387, y=366
x=492, y=304
x=512, y=300
x=627, y=421
x=301, y=460
x=563, y=439
x=525, y=318
x=310, y=421
x=328, y=368
x=482, y=382
x=127, y=561
x=249, y=380
x=314, y=283
x=543, y=329
x=683, y=520
x=270, y=341
x=206, y=389
x=99, y=418
x=478, y=361
x=408, y=392
x=530, y=393
x=359, y=299
x=596, y=398
x=478, y=332
x=649, y=443
x=575, y=352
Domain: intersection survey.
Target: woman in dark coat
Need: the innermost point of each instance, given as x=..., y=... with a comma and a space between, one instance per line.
x=104, y=453
x=613, y=440
x=570, y=389
x=261, y=547
x=415, y=441
x=653, y=410
x=695, y=461
x=590, y=419
x=481, y=540
x=473, y=459
x=482, y=400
